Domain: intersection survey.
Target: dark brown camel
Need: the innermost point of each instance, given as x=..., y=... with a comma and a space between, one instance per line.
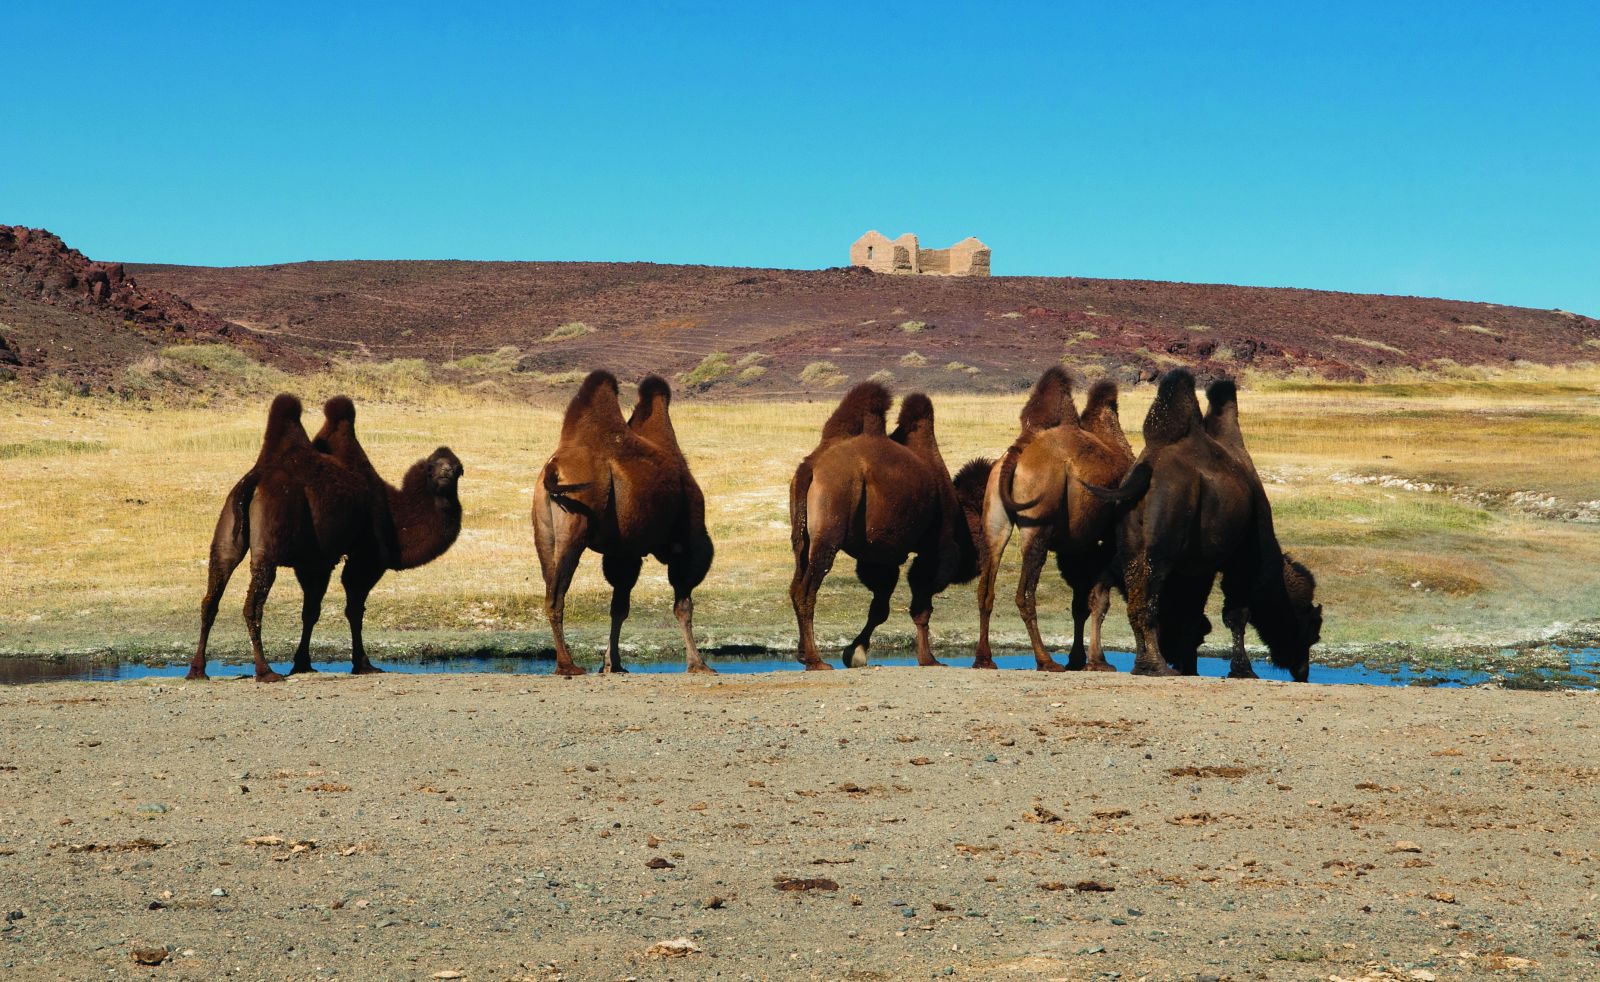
x=1056, y=455
x=879, y=497
x=1193, y=508
x=306, y=505
x=625, y=491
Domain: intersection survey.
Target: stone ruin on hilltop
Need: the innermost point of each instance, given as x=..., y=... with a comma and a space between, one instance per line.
x=879, y=253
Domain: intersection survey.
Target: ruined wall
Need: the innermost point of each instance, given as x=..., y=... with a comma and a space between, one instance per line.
x=879, y=253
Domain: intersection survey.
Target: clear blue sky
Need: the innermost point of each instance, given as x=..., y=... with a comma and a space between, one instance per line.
x=1448, y=149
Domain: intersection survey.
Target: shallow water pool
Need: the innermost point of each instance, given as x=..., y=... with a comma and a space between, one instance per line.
x=1581, y=672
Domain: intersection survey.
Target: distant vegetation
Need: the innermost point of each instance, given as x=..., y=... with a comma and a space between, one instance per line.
x=823, y=374
x=571, y=329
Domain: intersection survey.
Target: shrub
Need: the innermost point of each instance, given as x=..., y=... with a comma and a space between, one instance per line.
x=912, y=359
x=882, y=376
x=711, y=368
x=912, y=327
x=750, y=373
x=823, y=374
x=501, y=360
x=571, y=329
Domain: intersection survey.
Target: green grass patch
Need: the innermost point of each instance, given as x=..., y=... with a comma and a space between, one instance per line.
x=49, y=448
x=823, y=374
x=496, y=362
x=912, y=327
x=711, y=368
x=912, y=359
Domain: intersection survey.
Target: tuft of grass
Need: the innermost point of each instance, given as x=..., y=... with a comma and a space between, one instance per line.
x=912, y=327
x=1370, y=343
x=1012, y=315
x=753, y=358
x=711, y=368
x=1197, y=327
x=1591, y=342
x=882, y=376
x=912, y=359
x=386, y=381
x=571, y=329
x=956, y=366
x=559, y=378
x=750, y=373
x=496, y=362
x=823, y=374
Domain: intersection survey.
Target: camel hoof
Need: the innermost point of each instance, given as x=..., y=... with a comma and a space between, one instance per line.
x=1100, y=666
x=818, y=666
x=571, y=671
x=985, y=663
x=931, y=663
x=613, y=670
x=701, y=669
x=268, y=676
x=1050, y=665
x=302, y=670
x=197, y=675
x=366, y=669
x=1160, y=671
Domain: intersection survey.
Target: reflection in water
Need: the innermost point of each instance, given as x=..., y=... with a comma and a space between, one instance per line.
x=1581, y=672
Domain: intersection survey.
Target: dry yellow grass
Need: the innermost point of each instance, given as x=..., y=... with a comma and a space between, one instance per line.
x=106, y=511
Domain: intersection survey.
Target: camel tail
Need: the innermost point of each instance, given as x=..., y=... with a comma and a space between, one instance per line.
x=1134, y=486
x=1008, y=471
x=799, y=533
x=231, y=540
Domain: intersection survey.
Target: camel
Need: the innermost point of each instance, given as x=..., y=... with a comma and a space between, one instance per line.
x=306, y=505
x=879, y=497
x=623, y=490
x=1056, y=455
x=1193, y=507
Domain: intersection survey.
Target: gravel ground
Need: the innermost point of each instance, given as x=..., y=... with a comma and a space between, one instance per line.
x=926, y=823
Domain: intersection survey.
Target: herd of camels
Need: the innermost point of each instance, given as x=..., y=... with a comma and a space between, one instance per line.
x=1159, y=528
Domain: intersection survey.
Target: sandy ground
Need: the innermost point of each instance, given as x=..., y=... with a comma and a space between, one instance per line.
x=988, y=825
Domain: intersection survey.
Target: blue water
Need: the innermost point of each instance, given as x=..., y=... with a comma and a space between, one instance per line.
x=1584, y=666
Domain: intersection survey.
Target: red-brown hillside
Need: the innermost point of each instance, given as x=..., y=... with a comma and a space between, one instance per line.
x=68, y=315
x=648, y=317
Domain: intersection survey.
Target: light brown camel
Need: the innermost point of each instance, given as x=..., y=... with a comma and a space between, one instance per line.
x=1194, y=508
x=1039, y=486
x=306, y=506
x=623, y=490
x=878, y=497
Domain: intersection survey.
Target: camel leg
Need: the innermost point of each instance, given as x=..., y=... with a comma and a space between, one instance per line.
x=1144, y=603
x=622, y=572
x=881, y=579
x=1035, y=550
x=313, y=586
x=921, y=578
x=560, y=537
x=996, y=534
x=1099, y=603
x=1236, y=618
x=255, y=603
x=685, y=574
x=810, y=569
x=228, y=548
x=358, y=579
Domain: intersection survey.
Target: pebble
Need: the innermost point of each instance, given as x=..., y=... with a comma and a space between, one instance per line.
x=152, y=808
x=219, y=892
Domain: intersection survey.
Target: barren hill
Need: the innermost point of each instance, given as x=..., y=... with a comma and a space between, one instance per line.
x=64, y=314
x=732, y=331
x=645, y=317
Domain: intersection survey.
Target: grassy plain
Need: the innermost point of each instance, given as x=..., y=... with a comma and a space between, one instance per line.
x=1438, y=515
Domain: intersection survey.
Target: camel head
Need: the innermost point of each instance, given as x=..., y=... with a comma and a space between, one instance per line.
x=1301, y=587
x=439, y=473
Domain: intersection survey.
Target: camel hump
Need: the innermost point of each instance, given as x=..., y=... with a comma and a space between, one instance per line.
x=339, y=409
x=914, y=410
x=283, y=425
x=1050, y=404
x=1102, y=396
x=595, y=407
x=1175, y=411
x=971, y=482
x=864, y=409
x=654, y=387
x=1221, y=393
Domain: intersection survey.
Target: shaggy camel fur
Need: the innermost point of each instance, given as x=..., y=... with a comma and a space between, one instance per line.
x=623, y=490
x=1056, y=455
x=1194, y=507
x=879, y=497
x=306, y=505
